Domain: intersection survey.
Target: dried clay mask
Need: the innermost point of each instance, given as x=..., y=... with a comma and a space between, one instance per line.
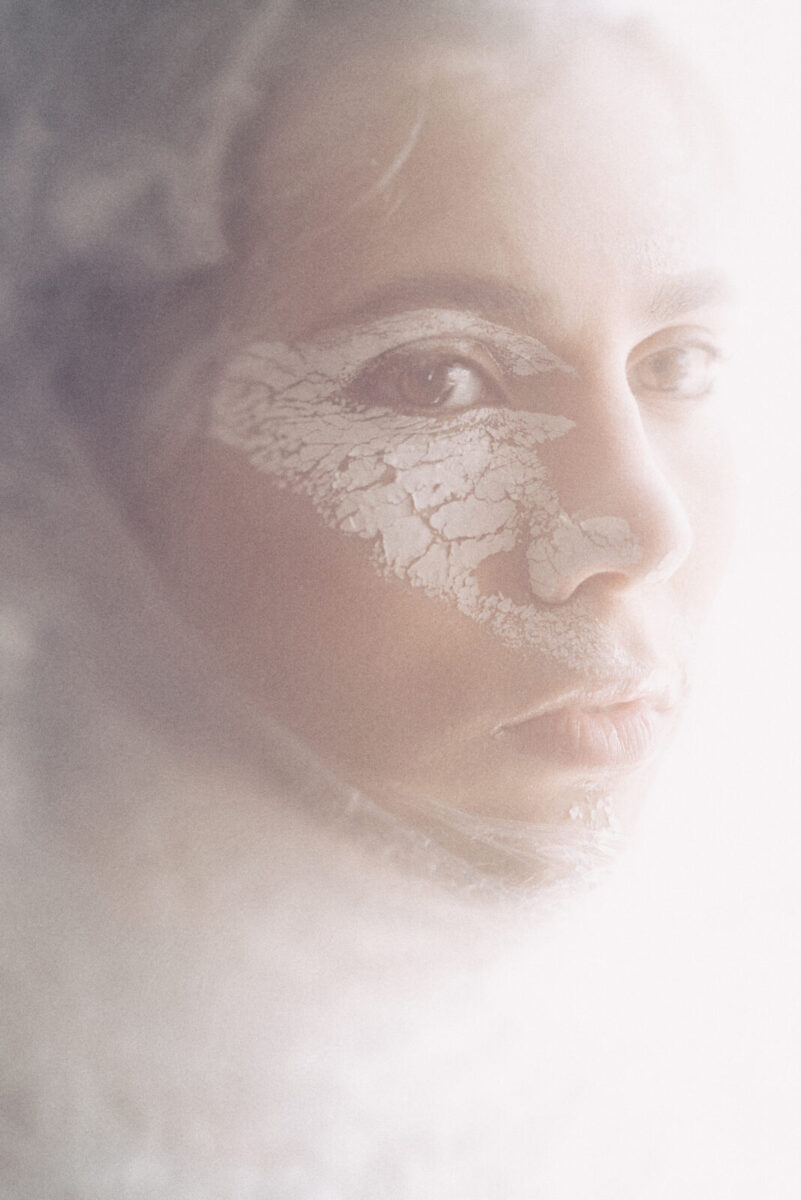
x=397, y=432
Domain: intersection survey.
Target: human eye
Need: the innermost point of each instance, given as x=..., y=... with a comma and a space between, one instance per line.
x=430, y=377
x=677, y=365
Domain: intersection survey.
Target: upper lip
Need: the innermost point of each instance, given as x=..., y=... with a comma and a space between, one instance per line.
x=660, y=688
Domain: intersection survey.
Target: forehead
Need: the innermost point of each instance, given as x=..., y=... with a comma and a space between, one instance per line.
x=555, y=171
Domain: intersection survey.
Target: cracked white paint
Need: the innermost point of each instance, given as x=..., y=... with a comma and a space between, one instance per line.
x=436, y=495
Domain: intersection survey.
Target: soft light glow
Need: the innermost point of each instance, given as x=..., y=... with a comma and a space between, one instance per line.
x=730, y=802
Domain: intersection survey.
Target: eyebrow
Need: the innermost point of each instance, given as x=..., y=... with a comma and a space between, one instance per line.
x=679, y=294
x=496, y=301
x=520, y=308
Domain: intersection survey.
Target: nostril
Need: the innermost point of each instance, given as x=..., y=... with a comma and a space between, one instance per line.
x=549, y=564
x=571, y=551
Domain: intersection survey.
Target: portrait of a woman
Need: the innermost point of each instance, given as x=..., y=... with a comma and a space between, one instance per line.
x=369, y=489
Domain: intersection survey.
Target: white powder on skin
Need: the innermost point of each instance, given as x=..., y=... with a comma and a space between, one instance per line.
x=436, y=495
x=596, y=810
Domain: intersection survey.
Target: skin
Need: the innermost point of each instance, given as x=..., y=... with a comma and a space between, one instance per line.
x=587, y=217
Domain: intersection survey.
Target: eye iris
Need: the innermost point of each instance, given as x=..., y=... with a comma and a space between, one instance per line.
x=686, y=371
x=439, y=385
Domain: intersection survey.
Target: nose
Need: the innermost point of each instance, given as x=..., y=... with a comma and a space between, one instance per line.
x=618, y=515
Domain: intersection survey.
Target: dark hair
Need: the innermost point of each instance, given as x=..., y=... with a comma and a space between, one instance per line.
x=125, y=189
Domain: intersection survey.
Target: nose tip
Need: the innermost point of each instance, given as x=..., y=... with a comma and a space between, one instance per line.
x=573, y=550
x=627, y=525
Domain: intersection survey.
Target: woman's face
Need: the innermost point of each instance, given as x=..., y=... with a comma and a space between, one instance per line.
x=465, y=494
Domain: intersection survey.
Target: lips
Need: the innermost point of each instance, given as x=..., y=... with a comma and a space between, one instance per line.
x=618, y=726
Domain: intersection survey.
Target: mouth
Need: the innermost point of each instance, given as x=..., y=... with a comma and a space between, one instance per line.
x=613, y=727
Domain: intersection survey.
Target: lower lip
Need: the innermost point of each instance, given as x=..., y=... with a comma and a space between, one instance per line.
x=620, y=735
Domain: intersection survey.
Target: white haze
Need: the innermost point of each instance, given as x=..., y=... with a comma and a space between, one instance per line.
x=730, y=801
x=644, y=1046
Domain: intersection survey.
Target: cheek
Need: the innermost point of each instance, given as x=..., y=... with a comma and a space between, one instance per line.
x=298, y=612
x=460, y=510
x=707, y=480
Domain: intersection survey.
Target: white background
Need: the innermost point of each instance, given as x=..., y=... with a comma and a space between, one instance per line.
x=727, y=818
x=747, y=793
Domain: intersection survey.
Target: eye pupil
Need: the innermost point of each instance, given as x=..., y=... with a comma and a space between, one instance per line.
x=662, y=365
x=439, y=385
x=683, y=371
